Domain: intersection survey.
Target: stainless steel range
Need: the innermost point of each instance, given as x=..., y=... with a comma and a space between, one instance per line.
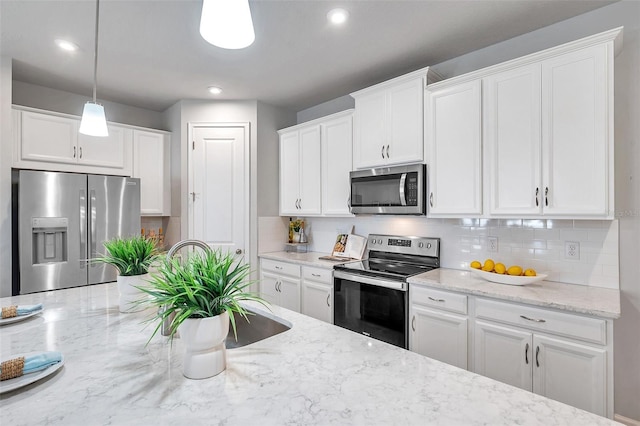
x=371, y=296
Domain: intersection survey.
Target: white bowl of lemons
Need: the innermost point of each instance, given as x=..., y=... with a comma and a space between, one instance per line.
x=499, y=273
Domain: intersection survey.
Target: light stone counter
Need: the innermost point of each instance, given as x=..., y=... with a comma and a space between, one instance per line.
x=306, y=259
x=313, y=374
x=596, y=301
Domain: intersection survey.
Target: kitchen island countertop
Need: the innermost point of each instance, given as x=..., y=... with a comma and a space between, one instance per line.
x=313, y=374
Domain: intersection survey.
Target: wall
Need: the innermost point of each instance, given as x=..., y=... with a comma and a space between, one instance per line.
x=327, y=108
x=5, y=175
x=35, y=96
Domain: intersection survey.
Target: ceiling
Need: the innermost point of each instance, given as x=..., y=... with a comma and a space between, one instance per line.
x=151, y=53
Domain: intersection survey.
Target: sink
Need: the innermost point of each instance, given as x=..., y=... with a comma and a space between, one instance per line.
x=262, y=325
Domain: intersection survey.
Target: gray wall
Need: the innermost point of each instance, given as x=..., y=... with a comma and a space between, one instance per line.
x=330, y=107
x=6, y=150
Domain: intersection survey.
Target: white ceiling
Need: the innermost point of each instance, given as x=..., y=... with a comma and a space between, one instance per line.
x=151, y=54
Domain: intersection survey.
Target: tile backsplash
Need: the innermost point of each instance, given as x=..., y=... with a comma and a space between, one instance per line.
x=538, y=244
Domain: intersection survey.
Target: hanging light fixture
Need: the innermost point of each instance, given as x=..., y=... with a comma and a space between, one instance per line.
x=227, y=23
x=94, y=122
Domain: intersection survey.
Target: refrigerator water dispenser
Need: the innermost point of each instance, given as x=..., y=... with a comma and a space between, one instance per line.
x=49, y=239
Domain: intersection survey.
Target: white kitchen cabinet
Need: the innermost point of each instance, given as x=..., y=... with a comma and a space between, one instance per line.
x=454, y=149
x=113, y=151
x=389, y=121
x=336, y=140
x=151, y=165
x=317, y=293
x=49, y=138
x=544, y=352
x=280, y=283
x=438, y=325
x=300, y=171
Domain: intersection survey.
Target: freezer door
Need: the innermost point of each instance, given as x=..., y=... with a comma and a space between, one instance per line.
x=114, y=211
x=51, y=221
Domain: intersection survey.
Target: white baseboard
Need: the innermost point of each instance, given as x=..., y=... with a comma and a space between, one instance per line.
x=626, y=420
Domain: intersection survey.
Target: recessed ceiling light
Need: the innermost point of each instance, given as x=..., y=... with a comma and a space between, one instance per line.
x=215, y=90
x=66, y=45
x=337, y=16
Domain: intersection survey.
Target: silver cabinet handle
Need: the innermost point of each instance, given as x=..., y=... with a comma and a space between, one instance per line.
x=537, y=353
x=413, y=323
x=436, y=300
x=300, y=203
x=532, y=319
x=316, y=275
x=526, y=354
x=193, y=196
x=537, y=190
x=275, y=285
x=74, y=152
x=431, y=199
x=349, y=202
x=80, y=152
x=387, y=151
x=328, y=296
x=546, y=196
x=278, y=267
x=382, y=151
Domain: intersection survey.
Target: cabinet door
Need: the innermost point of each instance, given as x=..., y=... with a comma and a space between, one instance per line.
x=150, y=164
x=575, y=134
x=406, y=122
x=439, y=335
x=370, y=137
x=337, y=141
x=289, y=173
x=111, y=151
x=571, y=373
x=504, y=354
x=49, y=138
x=454, y=145
x=317, y=300
x=289, y=289
x=310, y=173
x=269, y=288
x=512, y=138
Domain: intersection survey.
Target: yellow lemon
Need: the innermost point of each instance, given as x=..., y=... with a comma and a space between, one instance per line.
x=500, y=268
x=488, y=265
x=476, y=265
x=514, y=270
x=530, y=273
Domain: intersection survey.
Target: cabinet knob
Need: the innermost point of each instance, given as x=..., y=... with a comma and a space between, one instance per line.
x=238, y=251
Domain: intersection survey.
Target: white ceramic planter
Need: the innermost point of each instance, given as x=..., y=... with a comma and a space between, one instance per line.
x=129, y=293
x=204, y=350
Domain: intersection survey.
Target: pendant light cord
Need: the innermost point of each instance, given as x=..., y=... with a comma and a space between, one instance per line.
x=95, y=55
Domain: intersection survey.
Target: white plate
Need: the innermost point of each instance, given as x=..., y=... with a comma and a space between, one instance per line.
x=5, y=321
x=27, y=379
x=507, y=279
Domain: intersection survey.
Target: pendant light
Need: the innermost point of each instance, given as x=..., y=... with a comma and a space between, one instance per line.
x=227, y=23
x=94, y=122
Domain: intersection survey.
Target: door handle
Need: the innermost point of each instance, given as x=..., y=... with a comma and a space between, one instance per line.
x=83, y=231
x=537, y=353
x=92, y=223
x=193, y=196
x=328, y=296
x=526, y=354
x=537, y=190
x=413, y=323
x=238, y=251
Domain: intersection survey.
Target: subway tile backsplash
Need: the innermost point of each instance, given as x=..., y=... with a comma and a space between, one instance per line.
x=537, y=243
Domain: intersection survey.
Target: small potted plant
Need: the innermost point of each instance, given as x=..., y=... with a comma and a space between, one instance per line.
x=132, y=257
x=200, y=295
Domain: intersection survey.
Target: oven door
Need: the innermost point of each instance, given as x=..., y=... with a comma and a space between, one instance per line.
x=374, y=307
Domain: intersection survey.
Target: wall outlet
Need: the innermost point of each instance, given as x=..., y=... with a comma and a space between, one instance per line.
x=492, y=244
x=571, y=250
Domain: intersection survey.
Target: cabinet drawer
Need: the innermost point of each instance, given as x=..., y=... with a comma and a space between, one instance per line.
x=281, y=268
x=318, y=274
x=438, y=299
x=569, y=325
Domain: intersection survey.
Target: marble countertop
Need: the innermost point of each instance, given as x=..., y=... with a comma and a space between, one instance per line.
x=307, y=259
x=313, y=374
x=596, y=301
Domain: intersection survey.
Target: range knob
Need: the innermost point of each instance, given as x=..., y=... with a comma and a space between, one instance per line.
x=373, y=241
x=420, y=245
x=380, y=241
x=428, y=245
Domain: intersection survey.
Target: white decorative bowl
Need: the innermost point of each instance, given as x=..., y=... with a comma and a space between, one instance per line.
x=507, y=279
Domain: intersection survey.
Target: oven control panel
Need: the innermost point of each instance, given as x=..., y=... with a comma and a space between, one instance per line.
x=423, y=246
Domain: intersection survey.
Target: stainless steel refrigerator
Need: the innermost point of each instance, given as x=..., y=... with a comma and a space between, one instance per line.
x=60, y=220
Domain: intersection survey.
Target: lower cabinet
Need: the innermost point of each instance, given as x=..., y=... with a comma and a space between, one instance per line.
x=438, y=325
x=280, y=284
x=317, y=293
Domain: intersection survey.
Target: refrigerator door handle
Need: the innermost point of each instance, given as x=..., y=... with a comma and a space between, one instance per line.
x=83, y=231
x=92, y=224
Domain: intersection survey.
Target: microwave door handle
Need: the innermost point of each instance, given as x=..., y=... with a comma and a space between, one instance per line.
x=403, y=197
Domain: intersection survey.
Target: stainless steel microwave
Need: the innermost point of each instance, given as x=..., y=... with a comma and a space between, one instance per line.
x=389, y=190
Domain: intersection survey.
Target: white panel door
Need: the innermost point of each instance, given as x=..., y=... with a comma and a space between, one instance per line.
x=504, y=354
x=310, y=172
x=316, y=300
x=49, y=138
x=439, y=335
x=513, y=142
x=406, y=122
x=575, y=143
x=289, y=173
x=370, y=130
x=149, y=157
x=219, y=187
x=112, y=151
x=289, y=293
x=571, y=373
x=337, y=141
x=454, y=143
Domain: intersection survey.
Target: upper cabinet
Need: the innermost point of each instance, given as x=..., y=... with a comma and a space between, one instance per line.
x=151, y=166
x=389, y=121
x=315, y=161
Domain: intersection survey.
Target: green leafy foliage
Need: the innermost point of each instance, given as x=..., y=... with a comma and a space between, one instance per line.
x=204, y=285
x=130, y=256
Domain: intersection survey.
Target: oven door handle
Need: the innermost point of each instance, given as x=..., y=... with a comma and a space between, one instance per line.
x=403, y=196
x=380, y=282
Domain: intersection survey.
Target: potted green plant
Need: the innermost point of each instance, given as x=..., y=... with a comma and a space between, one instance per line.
x=132, y=257
x=200, y=296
